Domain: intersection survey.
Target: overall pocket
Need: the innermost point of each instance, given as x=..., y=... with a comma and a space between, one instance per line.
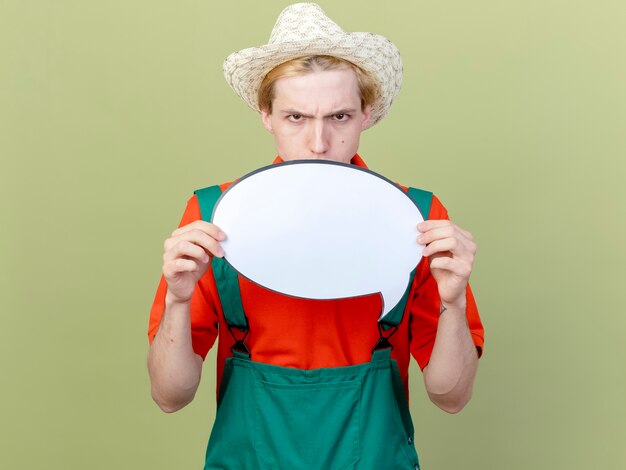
x=308, y=425
x=387, y=437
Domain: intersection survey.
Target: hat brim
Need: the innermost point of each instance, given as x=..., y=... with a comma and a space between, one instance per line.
x=244, y=70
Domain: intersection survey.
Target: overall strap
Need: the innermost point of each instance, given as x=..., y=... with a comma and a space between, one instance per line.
x=225, y=276
x=422, y=200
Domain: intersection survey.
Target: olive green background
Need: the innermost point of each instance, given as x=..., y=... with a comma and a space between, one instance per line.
x=113, y=112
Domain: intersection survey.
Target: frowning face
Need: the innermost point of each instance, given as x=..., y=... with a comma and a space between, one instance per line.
x=317, y=116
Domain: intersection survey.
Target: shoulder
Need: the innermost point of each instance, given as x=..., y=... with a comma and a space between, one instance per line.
x=217, y=187
x=436, y=210
x=193, y=211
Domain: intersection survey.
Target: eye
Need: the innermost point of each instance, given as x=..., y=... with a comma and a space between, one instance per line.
x=295, y=117
x=341, y=117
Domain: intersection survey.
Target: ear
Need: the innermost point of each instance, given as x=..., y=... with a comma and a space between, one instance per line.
x=266, y=119
x=367, y=114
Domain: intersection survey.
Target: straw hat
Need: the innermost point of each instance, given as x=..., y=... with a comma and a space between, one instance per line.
x=303, y=29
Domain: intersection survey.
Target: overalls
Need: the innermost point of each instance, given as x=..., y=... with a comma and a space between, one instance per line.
x=272, y=417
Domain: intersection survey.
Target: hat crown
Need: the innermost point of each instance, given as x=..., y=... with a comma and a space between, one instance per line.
x=302, y=21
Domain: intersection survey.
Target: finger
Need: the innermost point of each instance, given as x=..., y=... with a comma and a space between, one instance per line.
x=180, y=265
x=456, y=266
x=186, y=249
x=431, y=224
x=452, y=248
x=436, y=234
x=198, y=237
x=450, y=244
x=467, y=234
x=207, y=227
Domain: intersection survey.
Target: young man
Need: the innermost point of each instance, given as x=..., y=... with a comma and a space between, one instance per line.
x=300, y=385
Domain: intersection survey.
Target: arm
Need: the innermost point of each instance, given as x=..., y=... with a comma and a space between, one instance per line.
x=449, y=375
x=173, y=366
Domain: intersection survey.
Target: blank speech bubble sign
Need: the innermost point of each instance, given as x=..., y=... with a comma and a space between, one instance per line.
x=321, y=230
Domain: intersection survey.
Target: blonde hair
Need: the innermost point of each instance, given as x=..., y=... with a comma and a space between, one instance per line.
x=368, y=87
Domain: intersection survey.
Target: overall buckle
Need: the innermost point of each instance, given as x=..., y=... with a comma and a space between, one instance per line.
x=383, y=341
x=239, y=345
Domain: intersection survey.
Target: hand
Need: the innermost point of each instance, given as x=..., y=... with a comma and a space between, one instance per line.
x=188, y=252
x=451, y=252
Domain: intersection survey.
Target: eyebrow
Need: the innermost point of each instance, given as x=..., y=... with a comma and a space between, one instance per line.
x=288, y=112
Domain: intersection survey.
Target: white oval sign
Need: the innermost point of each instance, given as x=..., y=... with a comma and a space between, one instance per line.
x=321, y=230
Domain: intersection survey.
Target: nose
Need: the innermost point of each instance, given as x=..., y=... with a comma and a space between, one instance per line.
x=319, y=139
